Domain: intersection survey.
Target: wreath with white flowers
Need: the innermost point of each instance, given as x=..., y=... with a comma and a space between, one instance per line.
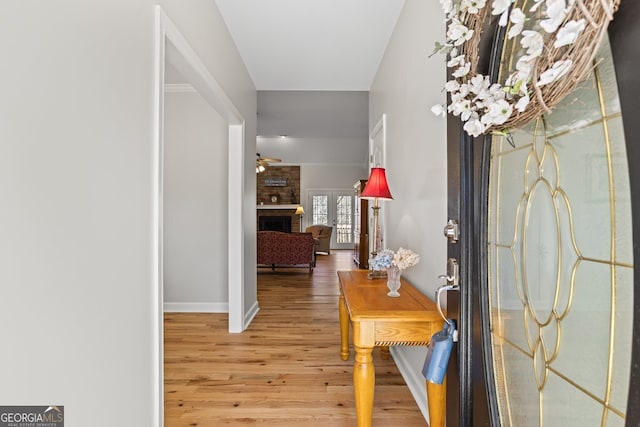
x=553, y=43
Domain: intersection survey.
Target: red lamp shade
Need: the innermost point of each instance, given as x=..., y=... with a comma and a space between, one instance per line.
x=377, y=186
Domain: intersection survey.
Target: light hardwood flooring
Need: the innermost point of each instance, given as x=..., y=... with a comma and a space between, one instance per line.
x=284, y=370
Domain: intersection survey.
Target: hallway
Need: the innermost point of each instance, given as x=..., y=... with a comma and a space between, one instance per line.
x=285, y=370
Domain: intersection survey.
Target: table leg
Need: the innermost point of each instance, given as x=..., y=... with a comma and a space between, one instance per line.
x=363, y=383
x=436, y=395
x=344, y=328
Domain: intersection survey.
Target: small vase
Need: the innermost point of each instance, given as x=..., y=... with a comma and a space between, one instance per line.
x=393, y=281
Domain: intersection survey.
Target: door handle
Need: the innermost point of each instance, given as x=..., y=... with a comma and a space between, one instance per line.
x=452, y=277
x=452, y=231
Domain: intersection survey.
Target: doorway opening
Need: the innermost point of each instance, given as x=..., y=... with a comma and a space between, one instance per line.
x=172, y=49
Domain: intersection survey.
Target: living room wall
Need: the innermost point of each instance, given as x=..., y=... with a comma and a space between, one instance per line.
x=406, y=85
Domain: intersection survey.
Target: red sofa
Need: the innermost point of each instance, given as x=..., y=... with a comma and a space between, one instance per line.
x=276, y=248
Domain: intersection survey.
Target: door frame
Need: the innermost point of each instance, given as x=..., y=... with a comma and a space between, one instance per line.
x=471, y=394
x=624, y=35
x=172, y=47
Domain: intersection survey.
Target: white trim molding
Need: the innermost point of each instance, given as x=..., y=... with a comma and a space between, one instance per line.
x=378, y=143
x=179, y=88
x=251, y=313
x=196, y=307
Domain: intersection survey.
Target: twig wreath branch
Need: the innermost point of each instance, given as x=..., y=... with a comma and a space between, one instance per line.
x=554, y=42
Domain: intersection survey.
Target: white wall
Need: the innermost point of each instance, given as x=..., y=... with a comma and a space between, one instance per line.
x=208, y=35
x=195, y=220
x=328, y=177
x=406, y=85
x=76, y=138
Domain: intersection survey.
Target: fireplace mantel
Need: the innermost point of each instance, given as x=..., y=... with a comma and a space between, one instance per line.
x=294, y=207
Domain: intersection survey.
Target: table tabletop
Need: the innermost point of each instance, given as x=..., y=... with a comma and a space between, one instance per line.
x=367, y=299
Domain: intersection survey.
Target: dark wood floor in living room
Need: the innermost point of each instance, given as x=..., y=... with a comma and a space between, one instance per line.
x=285, y=370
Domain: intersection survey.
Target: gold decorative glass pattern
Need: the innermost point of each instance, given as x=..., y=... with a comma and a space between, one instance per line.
x=561, y=261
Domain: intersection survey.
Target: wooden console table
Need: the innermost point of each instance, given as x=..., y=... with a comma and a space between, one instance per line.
x=382, y=321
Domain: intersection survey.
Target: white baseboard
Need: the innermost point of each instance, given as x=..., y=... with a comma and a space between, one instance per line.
x=414, y=379
x=196, y=307
x=251, y=314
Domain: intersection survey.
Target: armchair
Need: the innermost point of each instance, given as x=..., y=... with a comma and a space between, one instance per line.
x=322, y=235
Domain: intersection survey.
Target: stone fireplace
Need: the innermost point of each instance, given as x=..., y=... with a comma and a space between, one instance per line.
x=277, y=197
x=278, y=185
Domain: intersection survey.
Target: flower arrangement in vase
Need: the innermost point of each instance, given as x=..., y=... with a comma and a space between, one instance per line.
x=394, y=263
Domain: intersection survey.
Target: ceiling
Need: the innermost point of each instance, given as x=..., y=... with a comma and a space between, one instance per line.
x=311, y=44
x=314, y=127
x=313, y=63
x=313, y=114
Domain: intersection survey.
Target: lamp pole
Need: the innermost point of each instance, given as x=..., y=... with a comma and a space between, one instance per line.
x=376, y=211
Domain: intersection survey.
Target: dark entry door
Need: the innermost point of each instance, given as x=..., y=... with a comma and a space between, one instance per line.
x=547, y=307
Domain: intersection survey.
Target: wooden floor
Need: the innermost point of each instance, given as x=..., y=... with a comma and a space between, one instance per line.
x=285, y=370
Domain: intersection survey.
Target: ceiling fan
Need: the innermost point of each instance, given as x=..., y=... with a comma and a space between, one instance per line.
x=263, y=162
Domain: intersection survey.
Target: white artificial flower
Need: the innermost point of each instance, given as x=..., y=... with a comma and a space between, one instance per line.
x=525, y=64
x=533, y=42
x=556, y=12
x=453, y=53
x=454, y=62
x=557, y=70
x=535, y=6
x=482, y=105
x=479, y=83
x=466, y=114
x=501, y=7
x=462, y=71
x=497, y=91
x=458, y=33
x=569, y=33
x=472, y=6
x=473, y=126
x=464, y=89
x=517, y=18
x=499, y=112
x=459, y=107
x=455, y=97
x=452, y=86
x=447, y=6
x=522, y=103
x=522, y=74
x=439, y=110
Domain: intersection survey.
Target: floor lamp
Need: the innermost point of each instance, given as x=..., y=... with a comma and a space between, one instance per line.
x=300, y=212
x=376, y=189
